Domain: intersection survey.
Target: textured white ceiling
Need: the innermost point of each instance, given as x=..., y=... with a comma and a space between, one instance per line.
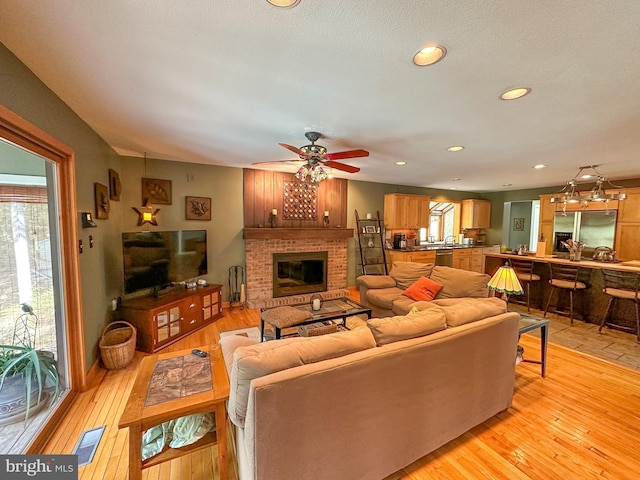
x=222, y=82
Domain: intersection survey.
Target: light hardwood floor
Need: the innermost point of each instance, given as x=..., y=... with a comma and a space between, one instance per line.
x=581, y=421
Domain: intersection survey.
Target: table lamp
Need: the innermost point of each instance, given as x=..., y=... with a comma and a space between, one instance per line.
x=505, y=281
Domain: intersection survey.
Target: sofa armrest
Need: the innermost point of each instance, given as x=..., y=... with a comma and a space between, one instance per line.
x=376, y=281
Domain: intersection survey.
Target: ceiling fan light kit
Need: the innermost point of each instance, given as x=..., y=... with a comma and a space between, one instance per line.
x=317, y=159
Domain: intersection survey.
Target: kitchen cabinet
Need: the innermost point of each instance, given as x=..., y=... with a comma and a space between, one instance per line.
x=462, y=258
x=406, y=211
x=547, y=214
x=629, y=208
x=163, y=320
x=476, y=214
x=418, y=256
x=477, y=260
x=627, y=244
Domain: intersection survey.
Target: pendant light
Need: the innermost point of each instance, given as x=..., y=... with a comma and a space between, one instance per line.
x=570, y=193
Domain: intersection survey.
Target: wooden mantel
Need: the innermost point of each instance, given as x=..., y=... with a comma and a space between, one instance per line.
x=298, y=233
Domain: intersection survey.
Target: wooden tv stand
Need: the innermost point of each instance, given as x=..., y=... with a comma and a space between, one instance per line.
x=163, y=320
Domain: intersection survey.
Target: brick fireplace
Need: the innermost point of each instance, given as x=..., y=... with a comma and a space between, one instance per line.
x=259, y=261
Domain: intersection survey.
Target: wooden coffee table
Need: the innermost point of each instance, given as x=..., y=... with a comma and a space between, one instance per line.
x=139, y=417
x=333, y=309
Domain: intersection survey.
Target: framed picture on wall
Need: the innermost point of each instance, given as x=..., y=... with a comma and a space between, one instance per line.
x=101, y=197
x=156, y=190
x=115, y=187
x=198, y=208
x=518, y=224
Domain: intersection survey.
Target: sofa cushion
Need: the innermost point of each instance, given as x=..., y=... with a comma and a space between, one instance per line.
x=423, y=289
x=460, y=283
x=473, y=310
x=404, y=305
x=229, y=344
x=255, y=361
x=376, y=281
x=383, y=297
x=393, y=329
x=406, y=273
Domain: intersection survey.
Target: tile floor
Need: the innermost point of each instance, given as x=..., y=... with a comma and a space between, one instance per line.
x=612, y=345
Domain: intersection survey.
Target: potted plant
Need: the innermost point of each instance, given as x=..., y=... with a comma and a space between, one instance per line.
x=28, y=378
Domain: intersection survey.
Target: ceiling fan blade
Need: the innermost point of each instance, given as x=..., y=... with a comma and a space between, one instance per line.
x=297, y=160
x=341, y=166
x=295, y=150
x=346, y=154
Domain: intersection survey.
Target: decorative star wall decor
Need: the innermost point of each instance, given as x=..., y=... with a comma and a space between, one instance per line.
x=146, y=213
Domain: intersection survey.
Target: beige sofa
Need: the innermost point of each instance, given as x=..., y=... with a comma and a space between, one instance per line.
x=365, y=403
x=383, y=294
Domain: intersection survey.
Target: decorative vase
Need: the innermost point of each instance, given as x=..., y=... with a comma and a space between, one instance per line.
x=575, y=256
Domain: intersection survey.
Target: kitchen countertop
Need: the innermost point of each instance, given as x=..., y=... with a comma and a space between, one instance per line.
x=422, y=248
x=630, y=266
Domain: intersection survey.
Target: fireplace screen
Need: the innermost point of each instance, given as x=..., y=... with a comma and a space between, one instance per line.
x=298, y=273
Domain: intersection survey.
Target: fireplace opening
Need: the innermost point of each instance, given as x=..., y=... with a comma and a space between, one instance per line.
x=297, y=273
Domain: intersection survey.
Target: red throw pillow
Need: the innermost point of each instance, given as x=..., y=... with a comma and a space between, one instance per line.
x=423, y=289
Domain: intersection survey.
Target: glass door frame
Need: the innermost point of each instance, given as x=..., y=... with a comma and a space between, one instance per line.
x=21, y=132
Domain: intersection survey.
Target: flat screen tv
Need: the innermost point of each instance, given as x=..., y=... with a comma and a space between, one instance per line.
x=158, y=259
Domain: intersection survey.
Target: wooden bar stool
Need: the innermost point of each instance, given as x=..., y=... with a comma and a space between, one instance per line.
x=565, y=277
x=524, y=272
x=621, y=285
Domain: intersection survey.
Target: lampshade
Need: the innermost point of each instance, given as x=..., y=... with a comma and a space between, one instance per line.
x=506, y=281
x=316, y=172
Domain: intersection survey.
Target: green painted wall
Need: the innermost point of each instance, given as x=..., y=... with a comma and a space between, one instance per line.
x=222, y=184
x=22, y=92
x=101, y=266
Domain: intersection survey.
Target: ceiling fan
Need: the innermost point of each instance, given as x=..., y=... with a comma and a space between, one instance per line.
x=314, y=157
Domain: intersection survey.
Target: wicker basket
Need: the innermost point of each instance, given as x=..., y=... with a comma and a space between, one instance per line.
x=118, y=345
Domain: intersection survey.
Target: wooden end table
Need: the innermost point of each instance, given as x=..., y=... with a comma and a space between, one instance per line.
x=139, y=417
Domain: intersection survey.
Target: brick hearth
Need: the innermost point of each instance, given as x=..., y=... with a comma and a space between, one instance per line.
x=259, y=266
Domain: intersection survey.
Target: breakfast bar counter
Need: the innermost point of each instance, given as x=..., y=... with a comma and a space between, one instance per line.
x=629, y=266
x=595, y=301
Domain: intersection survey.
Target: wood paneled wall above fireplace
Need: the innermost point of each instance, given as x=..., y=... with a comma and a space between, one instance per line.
x=263, y=191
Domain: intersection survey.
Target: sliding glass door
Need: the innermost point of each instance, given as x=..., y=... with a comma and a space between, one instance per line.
x=32, y=327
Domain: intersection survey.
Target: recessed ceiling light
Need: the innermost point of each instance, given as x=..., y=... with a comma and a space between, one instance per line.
x=455, y=179
x=283, y=3
x=401, y=163
x=453, y=188
x=539, y=166
x=506, y=184
x=455, y=148
x=429, y=55
x=515, y=93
